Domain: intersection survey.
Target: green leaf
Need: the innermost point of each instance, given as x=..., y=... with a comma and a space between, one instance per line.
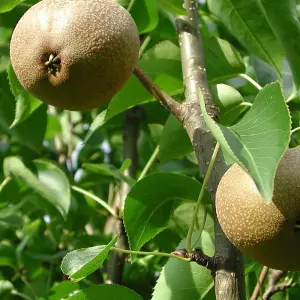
x=107, y=292
x=27, y=133
x=163, y=64
x=5, y=288
x=4, y=54
x=181, y=219
x=13, y=221
x=9, y=193
x=5, y=212
x=28, y=232
x=7, y=5
x=151, y=202
x=282, y=16
x=125, y=164
x=259, y=140
x=174, y=141
x=229, y=102
x=172, y=6
x=78, y=264
x=222, y=60
x=145, y=15
x=47, y=180
x=108, y=170
x=247, y=22
x=183, y=280
x=7, y=255
x=25, y=103
x=61, y=290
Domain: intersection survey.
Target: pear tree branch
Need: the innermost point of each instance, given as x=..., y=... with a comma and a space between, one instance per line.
x=261, y=279
x=131, y=127
x=164, y=99
x=229, y=277
x=274, y=286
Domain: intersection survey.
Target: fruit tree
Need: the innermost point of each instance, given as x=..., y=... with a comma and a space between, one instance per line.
x=149, y=149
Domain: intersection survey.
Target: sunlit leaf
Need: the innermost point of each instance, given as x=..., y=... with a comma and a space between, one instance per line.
x=259, y=140
x=25, y=103
x=151, y=203
x=183, y=280
x=80, y=263
x=46, y=179
x=107, y=292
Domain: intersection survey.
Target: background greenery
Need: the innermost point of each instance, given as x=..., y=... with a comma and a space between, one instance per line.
x=56, y=156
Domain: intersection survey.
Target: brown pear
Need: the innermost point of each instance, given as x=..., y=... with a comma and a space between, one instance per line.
x=75, y=55
x=267, y=233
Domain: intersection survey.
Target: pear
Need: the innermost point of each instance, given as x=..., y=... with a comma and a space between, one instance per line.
x=267, y=233
x=75, y=55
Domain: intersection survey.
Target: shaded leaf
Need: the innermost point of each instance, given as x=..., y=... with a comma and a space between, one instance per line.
x=145, y=15
x=78, y=264
x=28, y=232
x=108, y=170
x=247, y=22
x=25, y=103
x=7, y=5
x=181, y=219
x=282, y=16
x=183, y=280
x=9, y=193
x=61, y=290
x=174, y=141
x=7, y=255
x=259, y=140
x=26, y=133
x=172, y=6
x=107, y=292
x=48, y=181
x=229, y=102
x=5, y=212
x=222, y=60
x=5, y=287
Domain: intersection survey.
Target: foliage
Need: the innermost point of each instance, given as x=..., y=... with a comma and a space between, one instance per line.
x=60, y=171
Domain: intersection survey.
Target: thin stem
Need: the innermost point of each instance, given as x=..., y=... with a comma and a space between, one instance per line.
x=202, y=225
x=199, y=202
x=29, y=287
x=252, y=81
x=24, y=4
x=150, y=253
x=293, y=131
x=97, y=199
x=149, y=163
x=144, y=45
x=260, y=281
x=164, y=99
x=49, y=279
x=5, y=182
x=21, y=295
x=130, y=5
x=246, y=104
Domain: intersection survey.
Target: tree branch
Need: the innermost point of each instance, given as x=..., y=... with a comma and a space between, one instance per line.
x=132, y=121
x=260, y=281
x=199, y=257
x=229, y=277
x=164, y=99
x=274, y=286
